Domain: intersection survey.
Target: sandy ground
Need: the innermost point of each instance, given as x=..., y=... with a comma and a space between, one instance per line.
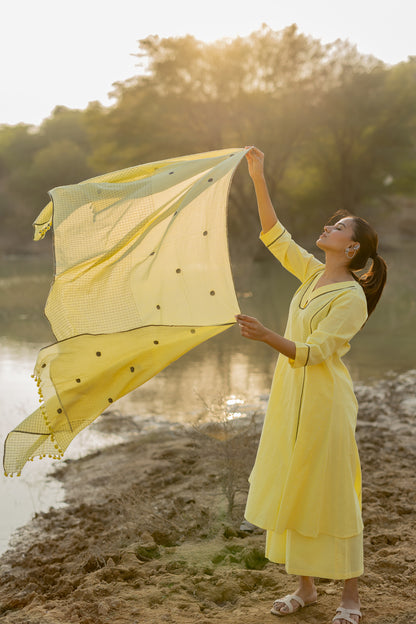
x=151, y=534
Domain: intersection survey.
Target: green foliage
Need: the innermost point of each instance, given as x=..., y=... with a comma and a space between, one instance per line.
x=357, y=140
x=251, y=557
x=33, y=161
x=338, y=128
x=65, y=124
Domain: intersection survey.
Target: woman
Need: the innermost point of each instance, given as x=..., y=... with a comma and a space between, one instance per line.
x=305, y=487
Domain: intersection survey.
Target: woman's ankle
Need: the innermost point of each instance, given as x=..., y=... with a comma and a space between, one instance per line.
x=350, y=591
x=307, y=582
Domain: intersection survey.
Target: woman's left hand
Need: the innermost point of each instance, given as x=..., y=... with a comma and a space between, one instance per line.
x=255, y=161
x=251, y=328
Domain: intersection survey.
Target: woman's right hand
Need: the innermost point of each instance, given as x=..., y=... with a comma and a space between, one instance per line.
x=251, y=328
x=255, y=161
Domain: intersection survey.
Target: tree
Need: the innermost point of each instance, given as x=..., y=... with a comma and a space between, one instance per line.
x=359, y=140
x=34, y=160
x=338, y=128
x=65, y=124
x=197, y=97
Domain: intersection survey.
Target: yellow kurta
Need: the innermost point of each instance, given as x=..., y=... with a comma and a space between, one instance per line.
x=305, y=487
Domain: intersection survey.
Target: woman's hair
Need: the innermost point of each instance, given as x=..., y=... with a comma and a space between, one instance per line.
x=374, y=280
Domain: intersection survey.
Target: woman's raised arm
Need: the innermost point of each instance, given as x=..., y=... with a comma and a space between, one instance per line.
x=279, y=242
x=267, y=214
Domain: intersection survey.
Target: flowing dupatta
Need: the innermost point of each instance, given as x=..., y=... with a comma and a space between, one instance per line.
x=142, y=275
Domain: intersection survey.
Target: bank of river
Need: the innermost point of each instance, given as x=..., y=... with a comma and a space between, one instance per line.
x=149, y=534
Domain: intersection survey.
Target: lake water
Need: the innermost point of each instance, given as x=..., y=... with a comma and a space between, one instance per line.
x=225, y=371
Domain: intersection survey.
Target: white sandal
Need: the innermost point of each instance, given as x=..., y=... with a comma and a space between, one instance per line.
x=345, y=614
x=291, y=608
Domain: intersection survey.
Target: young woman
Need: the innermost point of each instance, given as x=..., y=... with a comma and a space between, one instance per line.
x=305, y=487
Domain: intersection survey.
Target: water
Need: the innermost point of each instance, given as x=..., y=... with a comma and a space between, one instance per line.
x=226, y=369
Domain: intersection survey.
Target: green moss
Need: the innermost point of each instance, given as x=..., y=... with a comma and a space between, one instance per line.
x=232, y=553
x=146, y=553
x=254, y=559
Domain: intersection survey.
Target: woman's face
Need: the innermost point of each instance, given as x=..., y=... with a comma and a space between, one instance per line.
x=337, y=237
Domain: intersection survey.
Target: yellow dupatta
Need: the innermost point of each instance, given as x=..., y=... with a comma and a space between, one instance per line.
x=142, y=275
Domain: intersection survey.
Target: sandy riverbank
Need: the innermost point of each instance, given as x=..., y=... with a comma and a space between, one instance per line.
x=147, y=536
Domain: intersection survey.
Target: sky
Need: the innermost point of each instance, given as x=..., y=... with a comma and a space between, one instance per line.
x=70, y=53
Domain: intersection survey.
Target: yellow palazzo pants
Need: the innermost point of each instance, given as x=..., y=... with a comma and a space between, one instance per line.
x=308, y=556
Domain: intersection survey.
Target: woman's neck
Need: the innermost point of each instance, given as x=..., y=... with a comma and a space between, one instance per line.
x=336, y=269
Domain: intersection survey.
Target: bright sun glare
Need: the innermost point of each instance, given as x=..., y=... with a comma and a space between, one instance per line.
x=72, y=54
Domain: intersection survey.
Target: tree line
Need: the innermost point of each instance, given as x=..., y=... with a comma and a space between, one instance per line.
x=338, y=128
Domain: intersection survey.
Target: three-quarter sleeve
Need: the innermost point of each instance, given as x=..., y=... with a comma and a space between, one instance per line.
x=291, y=255
x=346, y=316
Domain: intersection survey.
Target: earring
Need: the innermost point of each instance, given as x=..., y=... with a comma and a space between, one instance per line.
x=352, y=250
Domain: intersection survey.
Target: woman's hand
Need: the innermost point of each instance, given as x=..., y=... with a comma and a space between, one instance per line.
x=255, y=161
x=251, y=328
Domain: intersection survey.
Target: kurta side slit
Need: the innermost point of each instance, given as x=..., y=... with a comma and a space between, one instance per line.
x=305, y=486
